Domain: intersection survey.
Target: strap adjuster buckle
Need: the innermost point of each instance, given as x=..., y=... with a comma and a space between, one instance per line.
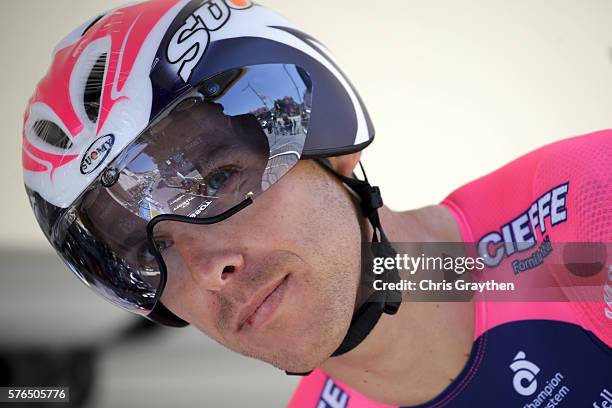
x=371, y=200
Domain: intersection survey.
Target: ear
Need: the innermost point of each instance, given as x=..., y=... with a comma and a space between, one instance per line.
x=345, y=164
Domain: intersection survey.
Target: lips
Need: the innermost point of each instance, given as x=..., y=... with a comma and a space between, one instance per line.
x=262, y=305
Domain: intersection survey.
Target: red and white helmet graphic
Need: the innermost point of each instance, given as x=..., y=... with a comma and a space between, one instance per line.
x=97, y=85
x=98, y=94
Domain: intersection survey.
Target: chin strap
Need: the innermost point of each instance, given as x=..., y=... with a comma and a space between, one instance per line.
x=379, y=302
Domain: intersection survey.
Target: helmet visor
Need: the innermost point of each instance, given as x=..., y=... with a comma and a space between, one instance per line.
x=223, y=142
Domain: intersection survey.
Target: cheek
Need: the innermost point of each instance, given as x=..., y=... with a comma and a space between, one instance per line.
x=318, y=220
x=312, y=323
x=315, y=218
x=191, y=305
x=177, y=294
x=284, y=215
x=179, y=297
x=183, y=297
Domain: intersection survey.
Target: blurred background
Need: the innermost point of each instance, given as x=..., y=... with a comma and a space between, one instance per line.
x=455, y=88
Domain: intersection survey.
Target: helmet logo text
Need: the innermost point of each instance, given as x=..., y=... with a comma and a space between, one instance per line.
x=97, y=153
x=189, y=43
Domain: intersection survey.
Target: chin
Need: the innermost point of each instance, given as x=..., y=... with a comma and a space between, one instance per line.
x=295, y=363
x=296, y=355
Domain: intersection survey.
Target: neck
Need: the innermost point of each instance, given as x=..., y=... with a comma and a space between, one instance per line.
x=411, y=357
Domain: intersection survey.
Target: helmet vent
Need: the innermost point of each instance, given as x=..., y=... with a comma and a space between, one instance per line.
x=93, y=88
x=51, y=134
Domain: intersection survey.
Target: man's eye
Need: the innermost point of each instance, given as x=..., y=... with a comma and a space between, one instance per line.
x=163, y=245
x=145, y=257
x=216, y=181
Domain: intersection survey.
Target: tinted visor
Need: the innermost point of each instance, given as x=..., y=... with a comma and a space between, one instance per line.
x=223, y=142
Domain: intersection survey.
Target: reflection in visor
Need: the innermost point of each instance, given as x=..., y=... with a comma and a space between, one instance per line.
x=230, y=138
x=220, y=160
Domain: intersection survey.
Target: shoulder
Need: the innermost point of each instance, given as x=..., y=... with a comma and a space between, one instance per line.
x=582, y=162
x=581, y=157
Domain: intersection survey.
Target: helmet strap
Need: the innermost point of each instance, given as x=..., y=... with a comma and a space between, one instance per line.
x=367, y=315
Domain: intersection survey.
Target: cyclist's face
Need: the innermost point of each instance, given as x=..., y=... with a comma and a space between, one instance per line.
x=278, y=280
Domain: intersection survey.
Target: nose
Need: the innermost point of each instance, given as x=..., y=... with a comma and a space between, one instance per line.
x=211, y=269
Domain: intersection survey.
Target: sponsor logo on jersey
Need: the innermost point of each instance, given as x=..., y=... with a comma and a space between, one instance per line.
x=97, y=153
x=525, y=383
x=606, y=401
x=520, y=234
x=332, y=396
x=525, y=372
x=189, y=43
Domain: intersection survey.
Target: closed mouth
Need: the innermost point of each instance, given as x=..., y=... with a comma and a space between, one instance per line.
x=262, y=305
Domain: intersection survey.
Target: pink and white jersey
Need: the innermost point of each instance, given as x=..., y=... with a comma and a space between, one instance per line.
x=529, y=353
